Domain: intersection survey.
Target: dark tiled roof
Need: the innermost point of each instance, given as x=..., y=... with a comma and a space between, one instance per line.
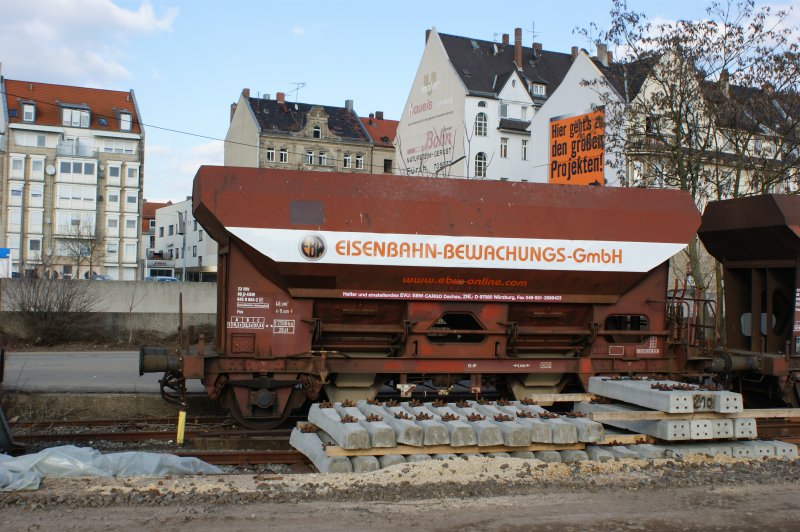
x=291, y=117
x=381, y=131
x=101, y=102
x=753, y=109
x=477, y=64
x=627, y=78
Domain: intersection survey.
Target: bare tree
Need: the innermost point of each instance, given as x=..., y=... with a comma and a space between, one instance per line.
x=83, y=244
x=52, y=310
x=709, y=106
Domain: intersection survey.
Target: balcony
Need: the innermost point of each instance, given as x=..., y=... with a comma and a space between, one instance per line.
x=75, y=149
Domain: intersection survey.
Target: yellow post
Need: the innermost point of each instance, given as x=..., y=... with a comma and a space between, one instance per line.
x=181, y=427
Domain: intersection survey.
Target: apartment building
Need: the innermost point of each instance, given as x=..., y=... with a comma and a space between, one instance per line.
x=266, y=133
x=382, y=132
x=472, y=103
x=72, y=174
x=182, y=247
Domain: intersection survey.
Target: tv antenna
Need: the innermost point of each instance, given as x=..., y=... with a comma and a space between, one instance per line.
x=298, y=85
x=532, y=31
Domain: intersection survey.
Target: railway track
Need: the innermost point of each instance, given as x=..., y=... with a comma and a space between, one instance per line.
x=212, y=439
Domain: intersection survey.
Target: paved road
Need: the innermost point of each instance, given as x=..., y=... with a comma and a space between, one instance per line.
x=113, y=371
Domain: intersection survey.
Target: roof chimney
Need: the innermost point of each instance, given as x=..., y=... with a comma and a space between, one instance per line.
x=246, y=93
x=372, y=115
x=348, y=104
x=602, y=53
x=610, y=58
x=537, y=49
x=233, y=110
x=427, y=34
x=574, y=52
x=518, y=47
x=280, y=97
x=379, y=115
x=505, y=39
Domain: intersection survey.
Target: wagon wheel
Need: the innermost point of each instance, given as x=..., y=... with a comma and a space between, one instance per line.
x=229, y=400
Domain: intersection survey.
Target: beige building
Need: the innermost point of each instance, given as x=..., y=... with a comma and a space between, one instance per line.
x=266, y=133
x=72, y=174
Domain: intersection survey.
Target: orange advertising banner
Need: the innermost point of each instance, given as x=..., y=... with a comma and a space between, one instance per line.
x=577, y=149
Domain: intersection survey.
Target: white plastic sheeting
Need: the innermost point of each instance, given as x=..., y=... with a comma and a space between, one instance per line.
x=25, y=472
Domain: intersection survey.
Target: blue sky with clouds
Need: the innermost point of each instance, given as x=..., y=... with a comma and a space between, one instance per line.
x=188, y=60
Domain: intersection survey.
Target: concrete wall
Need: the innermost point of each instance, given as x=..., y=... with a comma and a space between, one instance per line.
x=154, y=312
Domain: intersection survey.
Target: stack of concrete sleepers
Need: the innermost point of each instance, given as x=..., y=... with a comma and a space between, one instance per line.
x=369, y=436
x=673, y=398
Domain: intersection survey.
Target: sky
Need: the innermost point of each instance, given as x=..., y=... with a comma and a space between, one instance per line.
x=188, y=60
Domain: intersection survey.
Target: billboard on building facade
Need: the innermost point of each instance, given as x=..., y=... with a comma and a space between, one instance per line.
x=577, y=149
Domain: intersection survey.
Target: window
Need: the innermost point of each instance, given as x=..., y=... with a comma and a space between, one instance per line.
x=75, y=117
x=114, y=172
x=480, y=125
x=347, y=160
x=481, y=104
x=523, y=113
x=503, y=147
x=524, y=150
x=194, y=225
x=130, y=252
x=34, y=244
x=538, y=89
x=36, y=195
x=35, y=218
x=160, y=232
x=309, y=157
x=112, y=223
x=323, y=158
x=504, y=110
x=18, y=167
x=359, y=162
x=200, y=235
x=14, y=220
x=37, y=169
x=132, y=179
x=317, y=132
x=171, y=230
x=480, y=165
x=131, y=201
x=113, y=197
x=130, y=223
x=125, y=121
x=111, y=248
x=387, y=166
x=16, y=194
x=284, y=155
x=270, y=155
x=194, y=251
x=152, y=224
x=28, y=112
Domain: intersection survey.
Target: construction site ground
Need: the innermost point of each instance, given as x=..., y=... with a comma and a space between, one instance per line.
x=695, y=493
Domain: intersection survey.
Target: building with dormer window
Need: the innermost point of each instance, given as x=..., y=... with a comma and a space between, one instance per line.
x=266, y=133
x=473, y=107
x=72, y=174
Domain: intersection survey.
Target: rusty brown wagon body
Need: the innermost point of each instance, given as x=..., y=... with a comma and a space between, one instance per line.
x=340, y=283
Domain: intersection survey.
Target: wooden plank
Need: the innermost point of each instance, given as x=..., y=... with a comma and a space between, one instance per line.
x=655, y=415
x=542, y=398
x=332, y=450
x=627, y=439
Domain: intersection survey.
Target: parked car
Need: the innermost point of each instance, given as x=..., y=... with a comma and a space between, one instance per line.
x=101, y=277
x=162, y=279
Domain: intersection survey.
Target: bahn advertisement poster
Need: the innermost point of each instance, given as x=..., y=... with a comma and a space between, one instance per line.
x=577, y=149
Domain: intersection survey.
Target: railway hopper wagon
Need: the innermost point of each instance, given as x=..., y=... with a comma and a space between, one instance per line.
x=757, y=241
x=335, y=285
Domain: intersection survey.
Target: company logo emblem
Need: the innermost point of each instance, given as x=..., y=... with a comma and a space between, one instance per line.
x=312, y=247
